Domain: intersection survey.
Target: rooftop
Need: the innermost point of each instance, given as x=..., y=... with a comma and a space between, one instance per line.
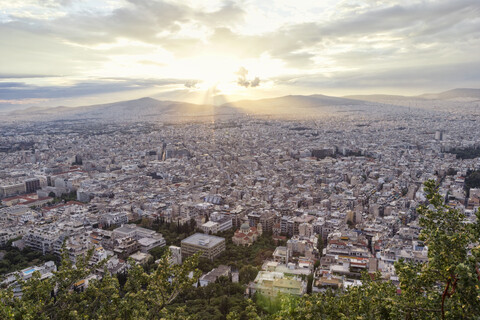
x=209, y=224
x=204, y=240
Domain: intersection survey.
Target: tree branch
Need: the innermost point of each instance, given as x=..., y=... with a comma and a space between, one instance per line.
x=444, y=296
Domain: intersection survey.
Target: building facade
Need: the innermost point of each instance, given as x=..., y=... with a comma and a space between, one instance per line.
x=210, y=246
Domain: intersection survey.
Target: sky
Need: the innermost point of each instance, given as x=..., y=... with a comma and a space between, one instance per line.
x=82, y=52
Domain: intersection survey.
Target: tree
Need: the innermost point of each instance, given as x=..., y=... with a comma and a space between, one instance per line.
x=160, y=288
x=372, y=300
x=447, y=286
x=309, y=283
x=7, y=303
x=224, y=306
x=472, y=180
x=144, y=296
x=233, y=315
x=146, y=223
x=158, y=252
x=251, y=311
x=320, y=245
x=451, y=172
x=247, y=273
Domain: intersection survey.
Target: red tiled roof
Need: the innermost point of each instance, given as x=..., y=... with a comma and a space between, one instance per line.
x=35, y=200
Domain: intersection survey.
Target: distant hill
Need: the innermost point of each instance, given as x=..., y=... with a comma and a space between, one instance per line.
x=381, y=98
x=297, y=105
x=454, y=94
x=294, y=104
x=139, y=109
x=461, y=93
x=151, y=109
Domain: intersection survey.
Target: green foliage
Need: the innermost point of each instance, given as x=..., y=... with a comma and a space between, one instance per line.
x=153, y=292
x=248, y=312
x=451, y=172
x=173, y=232
x=240, y=257
x=466, y=153
x=309, y=283
x=247, y=273
x=144, y=295
x=320, y=245
x=270, y=305
x=16, y=259
x=472, y=180
x=72, y=196
x=158, y=252
x=214, y=301
x=446, y=287
x=254, y=255
x=372, y=300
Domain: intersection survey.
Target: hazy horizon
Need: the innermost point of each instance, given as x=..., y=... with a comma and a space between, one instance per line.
x=76, y=53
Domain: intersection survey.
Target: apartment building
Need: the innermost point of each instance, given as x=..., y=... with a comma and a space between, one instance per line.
x=210, y=246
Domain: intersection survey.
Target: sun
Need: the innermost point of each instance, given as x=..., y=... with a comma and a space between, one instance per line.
x=210, y=70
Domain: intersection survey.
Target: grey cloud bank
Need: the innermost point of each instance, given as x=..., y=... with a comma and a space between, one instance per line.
x=432, y=44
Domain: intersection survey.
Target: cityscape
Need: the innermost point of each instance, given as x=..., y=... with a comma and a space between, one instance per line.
x=238, y=195
x=335, y=196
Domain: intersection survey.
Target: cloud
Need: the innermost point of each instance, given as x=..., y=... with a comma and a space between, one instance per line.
x=55, y=3
x=12, y=85
x=34, y=53
x=435, y=77
x=284, y=43
x=153, y=63
x=404, y=25
x=406, y=28
x=242, y=72
x=242, y=79
x=337, y=46
x=25, y=76
x=140, y=20
x=191, y=83
x=19, y=90
x=22, y=101
x=227, y=15
x=255, y=82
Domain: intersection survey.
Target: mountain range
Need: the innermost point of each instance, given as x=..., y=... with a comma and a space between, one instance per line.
x=149, y=108
x=459, y=94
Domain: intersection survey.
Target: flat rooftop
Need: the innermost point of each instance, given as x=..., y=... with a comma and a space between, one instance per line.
x=203, y=240
x=209, y=224
x=126, y=228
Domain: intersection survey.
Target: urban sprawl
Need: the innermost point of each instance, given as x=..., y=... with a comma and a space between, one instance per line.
x=338, y=194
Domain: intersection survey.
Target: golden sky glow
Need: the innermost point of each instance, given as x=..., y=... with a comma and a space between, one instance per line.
x=92, y=51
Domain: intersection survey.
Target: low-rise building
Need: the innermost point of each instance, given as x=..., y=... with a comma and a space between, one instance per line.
x=210, y=227
x=176, y=255
x=46, y=271
x=140, y=257
x=147, y=244
x=210, y=246
x=273, y=283
x=247, y=235
x=214, y=274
